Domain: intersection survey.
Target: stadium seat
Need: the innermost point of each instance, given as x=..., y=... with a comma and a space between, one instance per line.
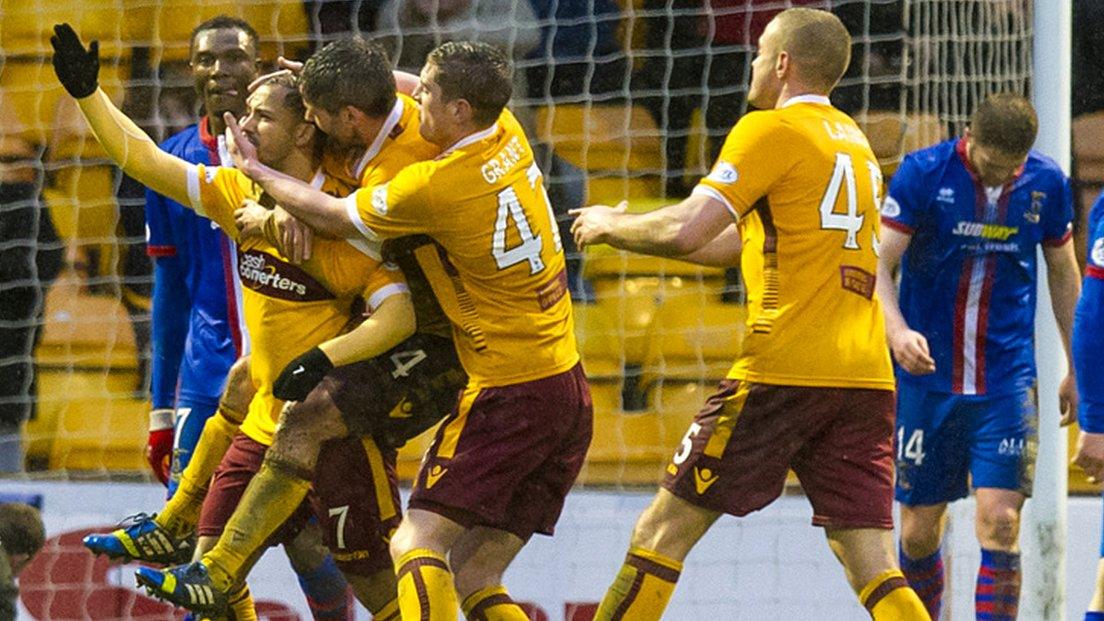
x=27, y=25
x=167, y=24
x=692, y=339
x=618, y=146
x=87, y=369
x=18, y=154
x=893, y=134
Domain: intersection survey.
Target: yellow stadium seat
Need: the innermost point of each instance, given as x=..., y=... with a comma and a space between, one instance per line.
x=893, y=134
x=27, y=25
x=691, y=338
x=281, y=24
x=33, y=94
x=88, y=416
x=618, y=146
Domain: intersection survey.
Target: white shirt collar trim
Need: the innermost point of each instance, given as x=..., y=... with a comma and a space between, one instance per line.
x=471, y=139
x=385, y=131
x=799, y=99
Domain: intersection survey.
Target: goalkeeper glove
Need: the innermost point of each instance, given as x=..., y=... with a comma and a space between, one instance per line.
x=301, y=375
x=159, y=445
x=77, y=69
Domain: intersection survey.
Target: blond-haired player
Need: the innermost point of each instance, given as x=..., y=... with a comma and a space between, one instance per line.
x=813, y=388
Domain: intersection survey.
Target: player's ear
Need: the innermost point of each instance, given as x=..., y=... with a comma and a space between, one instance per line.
x=305, y=133
x=783, y=64
x=462, y=110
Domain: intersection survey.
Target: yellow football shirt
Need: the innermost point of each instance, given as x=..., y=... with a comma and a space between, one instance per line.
x=806, y=189
x=500, y=273
x=290, y=308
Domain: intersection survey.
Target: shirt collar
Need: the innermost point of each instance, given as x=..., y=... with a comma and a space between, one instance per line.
x=800, y=99
x=470, y=139
x=388, y=125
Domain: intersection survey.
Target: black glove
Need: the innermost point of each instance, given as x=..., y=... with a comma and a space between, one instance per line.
x=301, y=375
x=77, y=69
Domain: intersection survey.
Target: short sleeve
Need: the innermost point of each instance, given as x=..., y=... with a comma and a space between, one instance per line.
x=748, y=165
x=384, y=282
x=216, y=192
x=400, y=207
x=159, y=237
x=907, y=198
x=1095, y=255
x=1058, y=215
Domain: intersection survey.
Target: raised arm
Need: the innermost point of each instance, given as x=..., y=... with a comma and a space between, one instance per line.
x=130, y=147
x=320, y=211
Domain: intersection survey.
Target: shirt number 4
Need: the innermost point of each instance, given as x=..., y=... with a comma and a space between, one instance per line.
x=843, y=178
x=510, y=210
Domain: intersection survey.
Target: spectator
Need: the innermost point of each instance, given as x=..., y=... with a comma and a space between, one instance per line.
x=579, y=52
x=22, y=535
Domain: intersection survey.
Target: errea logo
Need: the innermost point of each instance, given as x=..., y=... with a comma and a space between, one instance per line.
x=945, y=195
x=379, y=200
x=724, y=173
x=890, y=207
x=1098, y=252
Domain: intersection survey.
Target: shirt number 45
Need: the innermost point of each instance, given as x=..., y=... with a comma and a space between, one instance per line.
x=851, y=221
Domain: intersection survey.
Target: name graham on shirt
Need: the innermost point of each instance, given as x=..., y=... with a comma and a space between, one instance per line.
x=504, y=161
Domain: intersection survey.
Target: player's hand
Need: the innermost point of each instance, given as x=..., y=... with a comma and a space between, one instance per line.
x=301, y=375
x=1090, y=455
x=77, y=69
x=242, y=150
x=296, y=238
x=1068, y=399
x=159, y=445
x=593, y=224
x=910, y=350
x=250, y=219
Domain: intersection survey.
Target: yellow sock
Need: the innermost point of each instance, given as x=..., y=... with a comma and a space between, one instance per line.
x=241, y=604
x=492, y=604
x=642, y=588
x=425, y=581
x=389, y=612
x=181, y=512
x=273, y=495
x=889, y=598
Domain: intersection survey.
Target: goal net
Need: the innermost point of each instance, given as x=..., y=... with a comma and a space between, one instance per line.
x=622, y=99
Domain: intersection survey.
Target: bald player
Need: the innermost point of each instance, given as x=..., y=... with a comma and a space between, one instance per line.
x=797, y=186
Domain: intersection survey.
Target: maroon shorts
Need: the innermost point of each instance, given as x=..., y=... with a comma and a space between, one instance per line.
x=838, y=441
x=508, y=455
x=356, y=501
x=238, y=466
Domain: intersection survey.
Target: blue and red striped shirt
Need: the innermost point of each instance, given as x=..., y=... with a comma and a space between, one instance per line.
x=1088, y=329
x=191, y=360
x=968, y=278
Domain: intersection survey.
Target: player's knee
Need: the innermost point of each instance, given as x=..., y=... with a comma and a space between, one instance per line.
x=315, y=419
x=920, y=541
x=999, y=527
x=239, y=388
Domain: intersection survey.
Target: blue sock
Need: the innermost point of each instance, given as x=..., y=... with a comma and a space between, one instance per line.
x=1094, y=616
x=327, y=591
x=925, y=576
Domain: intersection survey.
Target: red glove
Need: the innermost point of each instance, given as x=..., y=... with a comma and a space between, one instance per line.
x=159, y=446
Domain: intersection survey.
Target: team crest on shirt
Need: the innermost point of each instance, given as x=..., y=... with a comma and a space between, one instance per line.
x=1034, y=213
x=890, y=207
x=945, y=195
x=1098, y=252
x=724, y=173
x=379, y=200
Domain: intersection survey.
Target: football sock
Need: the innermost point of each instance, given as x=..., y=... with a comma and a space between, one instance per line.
x=997, y=597
x=1094, y=616
x=327, y=592
x=273, y=495
x=389, y=612
x=889, y=598
x=642, y=588
x=492, y=604
x=925, y=576
x=425, y=586
x=241, y=604
x=181, y=512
